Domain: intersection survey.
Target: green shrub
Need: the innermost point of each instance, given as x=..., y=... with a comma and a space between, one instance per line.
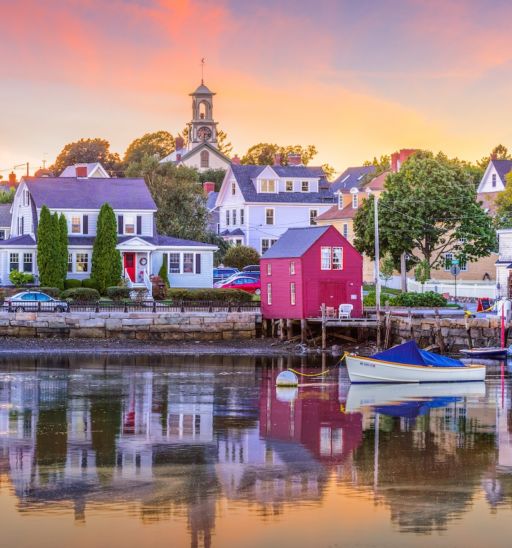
x=429, y=298
x=163, y=272
x=117, y=293
x=20, y=278
x=72, y=284
x=82, y=294
x=52, y=291
x=90, y=284
x=214, y=294
x=240, y=256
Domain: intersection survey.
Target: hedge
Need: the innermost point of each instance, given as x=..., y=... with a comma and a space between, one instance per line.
x=117, y=293
x=429, y=298
x=89, y=284
x=52, y=291
x=224, y=295
x=72, y=284
x=84, y=294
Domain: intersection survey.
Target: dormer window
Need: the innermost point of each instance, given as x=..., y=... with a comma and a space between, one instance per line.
x=494, y=180
x=267, y=185
x=355, y=198
x=289, y=186
x=305, y=186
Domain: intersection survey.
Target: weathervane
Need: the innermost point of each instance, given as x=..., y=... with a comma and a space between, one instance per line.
x=202, y=70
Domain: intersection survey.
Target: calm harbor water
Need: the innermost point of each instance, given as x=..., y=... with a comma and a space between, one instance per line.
x=204, y=451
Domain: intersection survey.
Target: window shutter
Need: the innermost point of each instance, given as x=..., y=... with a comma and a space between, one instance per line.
x=120, y=223
x=85, y=224
x=198, y=263
x=139, y=224
x=23, y=225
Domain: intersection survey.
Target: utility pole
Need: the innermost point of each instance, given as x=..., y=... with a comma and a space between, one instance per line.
x=377, y=249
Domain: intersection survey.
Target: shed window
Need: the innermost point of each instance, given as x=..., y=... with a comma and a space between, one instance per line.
x=174, y=263
x=269, y=216
x=76, y=225
x=269, y=293
x=188, y=263
x=14, y=261
x=27, y=262
x=325, y=258
x=292, y=293
x=337, y=258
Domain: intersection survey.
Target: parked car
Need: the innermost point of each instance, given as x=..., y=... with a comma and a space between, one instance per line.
x=243, y=282
x=222, y=273
x=33, y=300
x=251, y=268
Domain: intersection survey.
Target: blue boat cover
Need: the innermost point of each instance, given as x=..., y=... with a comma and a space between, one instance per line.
x=414, y=408
x=409, y=354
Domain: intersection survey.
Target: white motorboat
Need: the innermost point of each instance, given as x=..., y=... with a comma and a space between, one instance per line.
x=406, y=363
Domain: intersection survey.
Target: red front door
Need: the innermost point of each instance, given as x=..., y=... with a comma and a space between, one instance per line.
x=129, y=265
x=333, y=293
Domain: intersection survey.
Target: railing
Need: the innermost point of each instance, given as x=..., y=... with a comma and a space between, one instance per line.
x=128, y=280
x=148, y=284
x=464, y=288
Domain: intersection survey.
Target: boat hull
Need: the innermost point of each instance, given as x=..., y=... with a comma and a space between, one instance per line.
x=369, y=370
x=485, y=352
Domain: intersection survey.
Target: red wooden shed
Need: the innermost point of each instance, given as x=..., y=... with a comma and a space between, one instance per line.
x=308, y=267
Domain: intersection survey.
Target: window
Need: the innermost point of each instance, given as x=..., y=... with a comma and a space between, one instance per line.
x=238, y=241
x=355, y=200
x=269, y=293
x=227, y=217
x=205, y=158
x=27, y=262
x=234, y=216
x=292, y=268
x=76, y=226
x=494, y=180
x=174, y=263
x=242, y=216
x=305, y=186
x=268, y=185
x=269, y=269
x=337, y=258
x=188, y=263
x=14, y=261
x=448, y=262
x=269, y=216
x=292, y=293
x=129, y=224
x=266, y=244
x=82, y=262
x=25, y=198
x=233, y=188
x=340, y=201
x=289, y=186
x=345, y=230
x=313, y=214
x=21, y=226
x=325, y=254
x=70, y=262
x=2, y=234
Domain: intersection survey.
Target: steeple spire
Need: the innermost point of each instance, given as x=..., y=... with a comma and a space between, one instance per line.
x=203, y=60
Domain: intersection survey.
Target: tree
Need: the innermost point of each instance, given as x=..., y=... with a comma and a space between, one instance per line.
x=329, y=171
x=48, y=245
x=503, y=204
x=106, y=260
x=499, y=152
x=178, y=196
x=422, y=273
x=63, y=249
x=7, y=197
x=213, y=175
x=164, y=272
x=86, y=151
x=387, y=267
x=221, y=243
x=427, y=209
x=264, y=154
x=239, y=256
x=381, y=164
x=158, y=144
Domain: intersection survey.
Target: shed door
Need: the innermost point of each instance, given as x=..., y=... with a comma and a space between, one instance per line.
x=333, y=293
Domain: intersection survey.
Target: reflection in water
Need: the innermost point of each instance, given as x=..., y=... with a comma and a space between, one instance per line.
x=171, y=440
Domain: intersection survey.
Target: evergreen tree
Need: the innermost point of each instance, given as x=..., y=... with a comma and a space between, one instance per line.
x=163, y=272
x=63, y=250
x=47, y=250
x=106, y=260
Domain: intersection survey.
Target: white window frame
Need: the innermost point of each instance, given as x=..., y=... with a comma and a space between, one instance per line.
x=345, y=230
x=293, y=294
x=312, y=219
x=325, y=252
x=233, y=188
x=271, y=242
x=31, y=255
x=355, y=200
x=2, y=234
x=133, y=218
x=25, y=198
x=70, y=263
x=233, y=216
x=173, y=270
x=242, y=216
x=340, y=200
x=227, y=217
x=286, y=183
x=87, y=263
x=266, y=184
x=304, y=184
x=269, y=269
x=493, y=180
x=337, y=265
x=269, y=293
x=79, y=231
x=292, y=268
x=267, y=210
x=183, y=263
x=17, y=261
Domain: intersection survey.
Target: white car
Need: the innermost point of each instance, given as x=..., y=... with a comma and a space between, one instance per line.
x=32, y=301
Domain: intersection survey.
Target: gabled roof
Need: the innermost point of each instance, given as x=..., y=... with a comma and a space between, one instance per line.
x=351, y=177
x=5, y=215
x=210, y=147
x=246, y=174
x=73, y=193
x=502, y=168
x=333, y=213
x=70, y=171
x=295, y=242
x=235, y=232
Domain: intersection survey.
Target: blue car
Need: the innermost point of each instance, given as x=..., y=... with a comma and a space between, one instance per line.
x=222, y=273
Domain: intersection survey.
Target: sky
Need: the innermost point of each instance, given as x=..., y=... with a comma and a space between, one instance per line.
x=356, y=78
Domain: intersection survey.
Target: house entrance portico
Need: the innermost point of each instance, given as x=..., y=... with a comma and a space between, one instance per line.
x=136, y=254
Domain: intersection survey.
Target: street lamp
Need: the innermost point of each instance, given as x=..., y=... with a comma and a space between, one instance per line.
x=377, y=251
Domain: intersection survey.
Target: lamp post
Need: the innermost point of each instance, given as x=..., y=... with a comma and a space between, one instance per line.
x=377, y=250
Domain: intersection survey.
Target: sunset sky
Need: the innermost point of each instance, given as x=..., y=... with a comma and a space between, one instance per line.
x=357, y=78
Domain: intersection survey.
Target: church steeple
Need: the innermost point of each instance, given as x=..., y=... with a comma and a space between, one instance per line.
x=202, y=128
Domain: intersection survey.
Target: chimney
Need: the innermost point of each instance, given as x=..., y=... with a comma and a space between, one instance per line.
x=277, y=159
x=394, y=162
x=405, y=153
x=208, y=186
x=294, y=160
x=235, y=160
x=179, y=142
x=12, y=179
x=81, y=171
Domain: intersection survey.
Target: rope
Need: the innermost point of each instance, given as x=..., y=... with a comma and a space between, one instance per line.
x=309, y=374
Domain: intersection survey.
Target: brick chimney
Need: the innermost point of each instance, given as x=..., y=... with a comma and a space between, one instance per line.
x=277, y=159
x=394, y=161
x=179, y=142
x=235, y=160
x=208, y=186
x=398, y=158
x=81, y=171
x=294, y=160
x=12, y=179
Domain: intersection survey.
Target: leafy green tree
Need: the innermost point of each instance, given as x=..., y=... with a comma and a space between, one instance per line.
x=86, y=151
x=422, y=273
x=63, y=249
x=427, y=209
x=179, y=198
x=223, y=143
x=106, y=260
x=48, y=243
x=7, y=197
x=223, y=245
x=381, y=164
x=158, y=144
x=164, y=272
x=499, y=152
x=503, y=204
x=387, y=267
x=329, y=171
x=239, y=256
x=213, y=175
x=264, y=154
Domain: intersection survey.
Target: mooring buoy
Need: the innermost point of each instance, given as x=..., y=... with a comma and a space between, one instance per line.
x=287, y=378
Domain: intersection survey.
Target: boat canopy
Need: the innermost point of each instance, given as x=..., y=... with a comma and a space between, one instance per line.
x=409, y=354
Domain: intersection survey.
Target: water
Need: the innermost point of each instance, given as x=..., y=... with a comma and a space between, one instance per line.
x=202, y=451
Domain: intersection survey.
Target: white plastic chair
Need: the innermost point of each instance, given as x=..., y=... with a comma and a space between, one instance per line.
x=345, y=311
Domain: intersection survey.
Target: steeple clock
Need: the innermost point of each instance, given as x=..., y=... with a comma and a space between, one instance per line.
x=202, y=128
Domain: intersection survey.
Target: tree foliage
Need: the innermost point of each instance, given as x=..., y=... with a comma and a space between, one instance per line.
x=422, y=272
x=86, y=151
x=381, y=164
x=239, y=256
x=63, y=247
x=503, y=204
x=427, y=209
x=223, y=143
x=49, y=250
x=329, y=171
x=213, y=175
x=264, y=154
x=387, y=267
x=499, y=152
x=7, y=196
x=106, y=260
x=158, y=144
x=179, y=197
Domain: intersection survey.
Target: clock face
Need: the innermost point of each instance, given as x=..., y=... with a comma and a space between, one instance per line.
x=204, y=133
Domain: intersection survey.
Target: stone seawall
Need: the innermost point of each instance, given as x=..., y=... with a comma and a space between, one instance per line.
x=453, y=333
x=164, y=326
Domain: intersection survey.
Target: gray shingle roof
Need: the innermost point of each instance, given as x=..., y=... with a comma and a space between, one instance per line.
x=295, y=242
x=244, y=175
x=5, y=215
x=351, y=177
x=18, y=240
x=73, y=193
x=502, y=167
x=235, y=232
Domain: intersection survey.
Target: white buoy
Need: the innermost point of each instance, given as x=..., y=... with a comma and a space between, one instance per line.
x=287, y=394
x=287, y=378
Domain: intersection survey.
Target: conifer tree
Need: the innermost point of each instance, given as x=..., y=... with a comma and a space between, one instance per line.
x=47, y=253
x=106, y=259
x=63, y=237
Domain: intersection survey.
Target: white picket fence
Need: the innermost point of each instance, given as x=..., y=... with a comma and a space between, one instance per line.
x=464, y=289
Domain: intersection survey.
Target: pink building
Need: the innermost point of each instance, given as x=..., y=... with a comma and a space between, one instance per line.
x=306, y=268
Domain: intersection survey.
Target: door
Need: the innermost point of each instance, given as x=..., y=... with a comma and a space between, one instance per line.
x=333, y=294
x=129, y=265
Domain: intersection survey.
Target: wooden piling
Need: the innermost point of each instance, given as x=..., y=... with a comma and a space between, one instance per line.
x=303, y=330
x=378, y=330
x=289, y=329
x=282, y=329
